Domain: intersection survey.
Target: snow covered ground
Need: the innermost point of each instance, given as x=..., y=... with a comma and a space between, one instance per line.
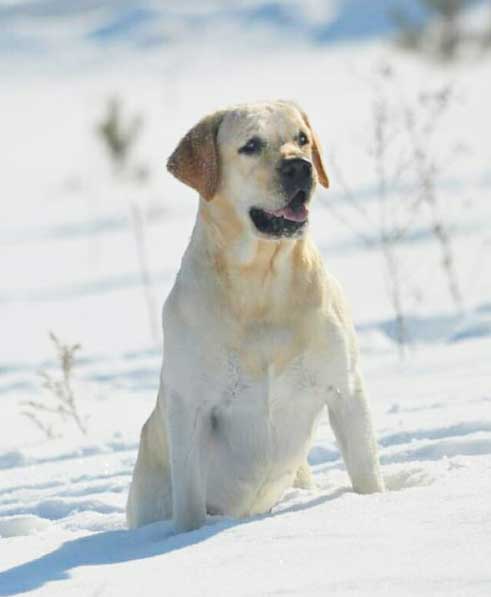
x=63, y=507
x=69, y=264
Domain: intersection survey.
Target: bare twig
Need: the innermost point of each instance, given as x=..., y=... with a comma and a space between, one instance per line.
x=406, y=169
x=46, y=428
x=60, y=390
x=427, y=170
x=119, y=137
x=139, y=234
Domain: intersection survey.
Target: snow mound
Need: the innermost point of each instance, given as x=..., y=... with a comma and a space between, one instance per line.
x=19, y=526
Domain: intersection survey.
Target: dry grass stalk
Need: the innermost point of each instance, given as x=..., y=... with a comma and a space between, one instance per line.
x=62, y=401
x=405, y=175
x=119, y=137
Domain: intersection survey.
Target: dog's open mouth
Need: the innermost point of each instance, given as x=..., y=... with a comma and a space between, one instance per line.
x=285, y=221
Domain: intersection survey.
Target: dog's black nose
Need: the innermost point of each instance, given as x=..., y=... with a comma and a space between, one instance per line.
x=295, y=171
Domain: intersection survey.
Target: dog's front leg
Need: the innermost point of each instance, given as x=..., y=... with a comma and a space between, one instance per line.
x=188, y=429
x=351, y=422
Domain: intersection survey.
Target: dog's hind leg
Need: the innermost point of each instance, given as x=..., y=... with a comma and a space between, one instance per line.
x=150, y=495
x=304, y=478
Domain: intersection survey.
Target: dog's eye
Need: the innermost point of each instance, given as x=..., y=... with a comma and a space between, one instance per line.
x=252, y=146
x=302, y=138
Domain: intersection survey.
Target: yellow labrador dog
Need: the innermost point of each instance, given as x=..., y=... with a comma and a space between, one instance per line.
x=257, y=335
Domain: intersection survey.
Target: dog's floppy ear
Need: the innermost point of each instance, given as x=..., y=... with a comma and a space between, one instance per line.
x=317, y=157
x=317, y=154
x=195, y=160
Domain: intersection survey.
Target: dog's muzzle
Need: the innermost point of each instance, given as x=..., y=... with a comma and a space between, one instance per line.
x=295, y=176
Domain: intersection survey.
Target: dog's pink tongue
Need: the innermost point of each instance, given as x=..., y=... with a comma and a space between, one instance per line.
x=298, y=215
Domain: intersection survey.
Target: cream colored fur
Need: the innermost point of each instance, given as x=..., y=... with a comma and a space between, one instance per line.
x=258, y=341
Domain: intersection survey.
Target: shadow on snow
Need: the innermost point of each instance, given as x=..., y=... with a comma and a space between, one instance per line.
x=118, y=546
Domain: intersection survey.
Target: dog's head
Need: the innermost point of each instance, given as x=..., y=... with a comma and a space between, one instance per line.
x=264, y=159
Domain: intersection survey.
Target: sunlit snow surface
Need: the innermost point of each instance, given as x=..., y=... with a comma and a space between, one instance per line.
x=68, y=264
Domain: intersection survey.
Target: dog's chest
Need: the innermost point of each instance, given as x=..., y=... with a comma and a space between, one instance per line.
x=277, y=370
x=263, y=421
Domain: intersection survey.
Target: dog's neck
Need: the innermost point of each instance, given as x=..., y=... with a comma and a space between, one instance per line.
x=262, y=278
x=233, y=246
